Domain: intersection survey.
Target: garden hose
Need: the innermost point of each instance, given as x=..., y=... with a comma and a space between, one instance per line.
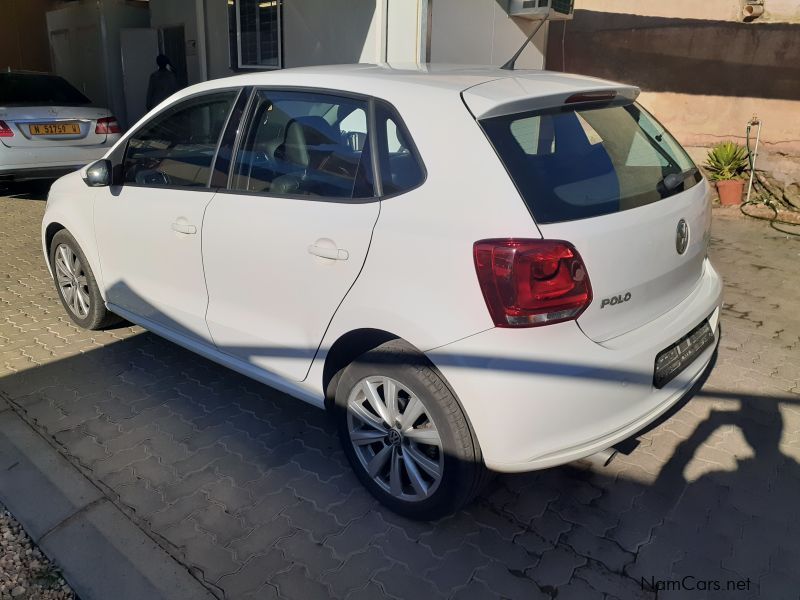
x=765, y=197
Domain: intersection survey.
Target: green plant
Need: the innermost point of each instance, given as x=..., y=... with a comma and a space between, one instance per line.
x=726, y=160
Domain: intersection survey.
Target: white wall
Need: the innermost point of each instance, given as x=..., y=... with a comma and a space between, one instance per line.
x=315, y=32
x=370, y=31
x=404, y=43
x=116, y=17
x=318, y=32
x=72, y=31
x=481, y=32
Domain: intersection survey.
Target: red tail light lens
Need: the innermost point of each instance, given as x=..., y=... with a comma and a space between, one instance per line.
x=5, y=130
x=527, y=283
x=107, y=125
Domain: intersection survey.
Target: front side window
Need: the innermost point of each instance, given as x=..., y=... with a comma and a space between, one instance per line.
x=577, y=164
x=177, y=147
x=305, y=144
x=254, y=30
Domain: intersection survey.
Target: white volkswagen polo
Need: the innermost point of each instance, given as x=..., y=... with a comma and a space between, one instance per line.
x=475, y=270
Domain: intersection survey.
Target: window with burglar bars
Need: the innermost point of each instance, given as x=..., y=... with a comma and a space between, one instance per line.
x=254, y=27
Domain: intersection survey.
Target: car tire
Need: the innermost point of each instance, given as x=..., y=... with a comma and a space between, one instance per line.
x=397, y=454
x=71, y=271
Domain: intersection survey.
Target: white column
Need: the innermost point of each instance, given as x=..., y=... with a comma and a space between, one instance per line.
x=405, y=40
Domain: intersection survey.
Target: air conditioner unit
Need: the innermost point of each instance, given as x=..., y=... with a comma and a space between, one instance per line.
x=553, y=10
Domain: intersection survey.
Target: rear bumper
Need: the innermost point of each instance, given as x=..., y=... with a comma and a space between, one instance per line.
x=546, y=396
x=39, y=163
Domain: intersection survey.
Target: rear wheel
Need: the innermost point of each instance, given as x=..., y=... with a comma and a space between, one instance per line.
x=76, y=284
x=405, y=433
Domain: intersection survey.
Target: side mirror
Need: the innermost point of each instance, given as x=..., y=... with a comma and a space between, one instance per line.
x=98, y=174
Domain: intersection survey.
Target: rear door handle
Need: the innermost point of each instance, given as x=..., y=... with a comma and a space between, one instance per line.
x=329, y=253
x=184, y=228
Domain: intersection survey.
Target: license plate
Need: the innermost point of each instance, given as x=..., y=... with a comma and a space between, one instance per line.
x=55, y=129
x=674, y=359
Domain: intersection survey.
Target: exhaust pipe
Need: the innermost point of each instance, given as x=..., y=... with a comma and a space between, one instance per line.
x=602, y=458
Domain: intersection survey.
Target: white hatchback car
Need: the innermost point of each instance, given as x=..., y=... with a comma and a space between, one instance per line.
x=49, y=128
x=474, y=269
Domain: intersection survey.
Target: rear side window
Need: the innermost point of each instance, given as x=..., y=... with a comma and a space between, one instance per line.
x=306, y=144
x=177, y=147
x=401, y=167
x=24, y=89
x=577, y=164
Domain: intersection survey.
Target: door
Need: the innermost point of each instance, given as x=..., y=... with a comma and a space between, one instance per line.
x=149, y=227
x=139, y=47
x=285, y=243
x=172, y=43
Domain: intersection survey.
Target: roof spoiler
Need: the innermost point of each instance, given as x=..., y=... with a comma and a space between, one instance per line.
x=492, y=100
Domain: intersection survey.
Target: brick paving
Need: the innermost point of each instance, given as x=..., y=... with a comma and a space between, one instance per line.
x=249, y=488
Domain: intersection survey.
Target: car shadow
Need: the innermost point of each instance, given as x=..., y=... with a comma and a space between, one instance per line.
x=201, y=457
x=36, y=189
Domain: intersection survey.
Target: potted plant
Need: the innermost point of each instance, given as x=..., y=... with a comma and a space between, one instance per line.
x=726, y=164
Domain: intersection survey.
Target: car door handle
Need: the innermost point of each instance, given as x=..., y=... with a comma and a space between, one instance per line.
x=184, y=228
x=329, y=253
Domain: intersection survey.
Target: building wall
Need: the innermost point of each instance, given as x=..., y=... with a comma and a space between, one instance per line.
x=173, y=13
x=217, y=43
x=314, y=32
x=118, y=16
x=480, y=32
x=404, y=27
x=372, y=31
x=77, y=46
x=319, y=32
x=702, y=70
x=24, y=43
x=715, y=10
x=85, y=45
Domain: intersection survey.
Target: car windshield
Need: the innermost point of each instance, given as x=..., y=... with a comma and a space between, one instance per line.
x=577, y=164
x=29, y=89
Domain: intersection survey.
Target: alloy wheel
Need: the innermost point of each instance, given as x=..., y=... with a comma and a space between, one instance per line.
x=72, y=281
x=395, y=438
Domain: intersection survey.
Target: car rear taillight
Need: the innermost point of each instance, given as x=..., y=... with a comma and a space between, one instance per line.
x=107, y=125
x=527, y=283
x=5, y=130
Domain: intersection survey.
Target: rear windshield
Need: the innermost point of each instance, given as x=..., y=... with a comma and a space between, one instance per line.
x=23, y=89
x=576, y=164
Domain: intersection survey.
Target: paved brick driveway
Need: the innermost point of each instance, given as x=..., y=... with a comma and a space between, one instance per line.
x=249, y=489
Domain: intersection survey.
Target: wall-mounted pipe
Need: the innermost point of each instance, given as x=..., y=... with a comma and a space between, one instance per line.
x=752, y=9
x=754, y=122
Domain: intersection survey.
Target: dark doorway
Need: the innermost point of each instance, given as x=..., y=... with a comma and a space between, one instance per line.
x=172, y=42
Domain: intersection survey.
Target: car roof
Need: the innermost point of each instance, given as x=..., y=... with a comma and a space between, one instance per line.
x=381, y=80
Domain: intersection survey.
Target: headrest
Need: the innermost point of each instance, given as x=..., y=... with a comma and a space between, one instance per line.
x=308, y=133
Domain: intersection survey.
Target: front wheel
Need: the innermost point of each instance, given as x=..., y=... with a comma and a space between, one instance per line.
x=405, y=434
x=76, y=285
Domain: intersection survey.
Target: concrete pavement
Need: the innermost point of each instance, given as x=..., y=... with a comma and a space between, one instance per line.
x=249, y=490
